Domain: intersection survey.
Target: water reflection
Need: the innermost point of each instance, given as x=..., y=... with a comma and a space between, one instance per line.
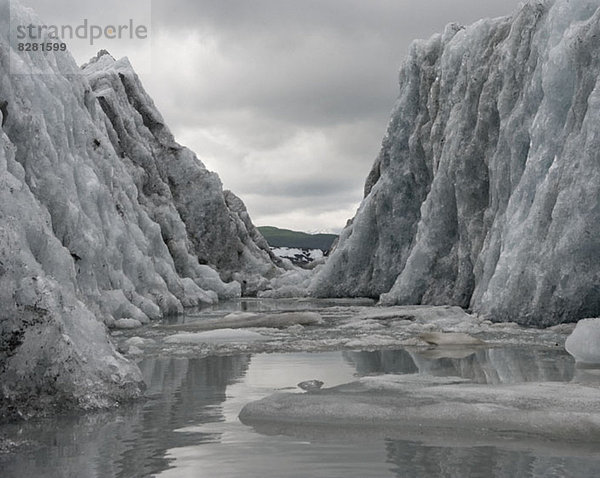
x=331, y=449
x=189, y=423
x=414, y=459
x=382, y=361
x=184, y=392
x=481, y=365
x=133, y=441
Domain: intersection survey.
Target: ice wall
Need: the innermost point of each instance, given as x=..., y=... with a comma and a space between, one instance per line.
x=102, y=216
x=200, y=223
x=486, y=191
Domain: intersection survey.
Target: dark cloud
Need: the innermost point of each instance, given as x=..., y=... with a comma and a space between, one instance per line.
x=301, y=188
x=307, y=61
x=356, y=19
x=288, y=100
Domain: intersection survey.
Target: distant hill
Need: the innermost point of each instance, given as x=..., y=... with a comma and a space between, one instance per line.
x=285, y=238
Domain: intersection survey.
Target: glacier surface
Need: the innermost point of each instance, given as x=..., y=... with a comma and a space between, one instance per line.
x=486, y=191
x=104, y=220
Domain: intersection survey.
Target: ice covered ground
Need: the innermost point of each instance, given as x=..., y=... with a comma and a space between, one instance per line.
x=290, y=325
x=442, y=405
x=484, y=381
x=189, y=427
x=435, y=407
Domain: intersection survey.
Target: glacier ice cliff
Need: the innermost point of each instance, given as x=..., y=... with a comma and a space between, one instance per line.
x=103, y=216
x=486, y=192
x=200, y=223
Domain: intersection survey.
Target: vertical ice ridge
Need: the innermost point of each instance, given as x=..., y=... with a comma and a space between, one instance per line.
x=483, y=195
x=102, y=217
x=206, y=224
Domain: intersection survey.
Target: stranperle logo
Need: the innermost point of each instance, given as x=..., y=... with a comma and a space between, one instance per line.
x=48, y=40
x=83, y=31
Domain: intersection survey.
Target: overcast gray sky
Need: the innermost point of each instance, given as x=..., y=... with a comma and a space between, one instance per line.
x=287, y=101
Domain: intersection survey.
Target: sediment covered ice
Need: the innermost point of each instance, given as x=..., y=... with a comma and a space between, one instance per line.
x=248, y=319
x=321, y=325
x=486, y=190
x=428, y=405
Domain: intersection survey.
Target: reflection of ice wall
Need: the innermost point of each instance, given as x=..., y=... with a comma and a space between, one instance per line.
x=102, y=216
x=134, y=440
x=485, y=193
x=491, y=366
x=408, y=458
